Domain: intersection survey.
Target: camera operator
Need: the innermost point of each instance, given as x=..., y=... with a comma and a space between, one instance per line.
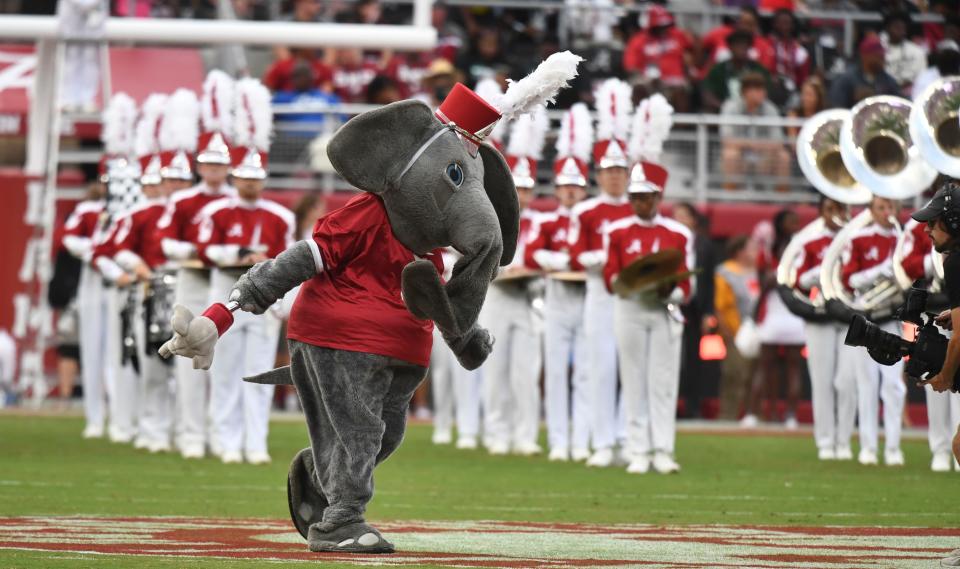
x=942, y=216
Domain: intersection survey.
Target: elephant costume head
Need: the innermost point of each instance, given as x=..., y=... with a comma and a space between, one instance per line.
x=442, y=186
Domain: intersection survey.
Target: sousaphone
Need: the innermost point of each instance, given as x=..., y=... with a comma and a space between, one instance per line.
x=818, y=154
x=881, y=154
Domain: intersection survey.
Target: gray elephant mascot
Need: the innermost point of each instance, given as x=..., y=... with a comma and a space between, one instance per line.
x=360, y=330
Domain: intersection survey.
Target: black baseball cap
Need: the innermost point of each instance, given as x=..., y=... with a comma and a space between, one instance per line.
x=947, y=197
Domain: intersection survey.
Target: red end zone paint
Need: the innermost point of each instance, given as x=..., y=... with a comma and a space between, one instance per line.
x=495, y=544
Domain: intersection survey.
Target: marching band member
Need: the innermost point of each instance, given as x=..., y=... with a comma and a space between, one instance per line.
x=943, y=409
x=833, y=385
x=567, y=411
x=588, y=220
x=867, y=259
x=79, y=233
x=139, y=253
x=648, y=334
x=443, y=376
x=511, y=394
x=119, y=374
x=178, y=226
x=235, y=233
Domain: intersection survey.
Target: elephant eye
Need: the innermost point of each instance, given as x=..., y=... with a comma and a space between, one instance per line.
x=455, y=174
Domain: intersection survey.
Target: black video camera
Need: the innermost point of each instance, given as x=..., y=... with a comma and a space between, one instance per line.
x=927, y=351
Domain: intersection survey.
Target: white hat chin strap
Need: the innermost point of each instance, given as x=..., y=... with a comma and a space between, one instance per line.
x=423, y=148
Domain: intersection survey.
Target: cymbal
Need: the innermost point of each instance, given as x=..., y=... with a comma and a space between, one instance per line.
x=517, y=275
x=650, y=270
x=569, y=276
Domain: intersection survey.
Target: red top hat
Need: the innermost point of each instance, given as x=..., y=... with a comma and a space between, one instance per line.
x=150, y=170
x=248, y=163
x=473, y=117
x=610, y=154
x=524, y=171
x=175, y=164
x=647, y=177
x=214, y=148
x=570, y=171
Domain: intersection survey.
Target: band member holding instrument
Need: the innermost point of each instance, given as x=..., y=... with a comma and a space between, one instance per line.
x=139, y=253
x=648, y=332
x=179, y=224
x=566, y=397
x=588, y=220
x=833, y=386
x=235, y=233
x=869, y=258
x=511, y=393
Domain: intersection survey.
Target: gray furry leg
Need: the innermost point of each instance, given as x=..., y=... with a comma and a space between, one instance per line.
x=406, y=379
x=342, y=395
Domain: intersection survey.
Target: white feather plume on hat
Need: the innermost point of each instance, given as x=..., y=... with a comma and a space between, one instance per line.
x=181, y=122
x=253, y=120
x=539, y=87
x=145, y=141
x=489, y=90
x=119, y=119
x=216, y=104
x=613, y=102
x=651, y=127
x=527, y=134
x=576, y=133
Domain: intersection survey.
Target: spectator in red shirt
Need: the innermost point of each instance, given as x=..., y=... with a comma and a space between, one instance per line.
x=408, y=69
x=791, y=60
x=280, y=75
x=662, y=52
x=714, y=43
x=351, y=74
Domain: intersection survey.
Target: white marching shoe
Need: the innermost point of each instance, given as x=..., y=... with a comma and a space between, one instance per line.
x=441, y=438
x=559, y=455
x=791, y=424
x=527, y=449
x=498, y=449
x=893, y=457
x=579, y=454
x=867, y=457
x=844, y=453
x=639, y=465
x=93, y=432
x=749, y=421
x=141, y=443
x=941, y=462
x=602, y=458
x=159, y=446
x=118, y=436
x=258, y=457
x=467, y=443
x=192, y=451
x=664, y=463
x=231, y=457
x=827, y=454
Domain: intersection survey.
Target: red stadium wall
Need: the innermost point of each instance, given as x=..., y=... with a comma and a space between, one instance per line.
x=14, y=234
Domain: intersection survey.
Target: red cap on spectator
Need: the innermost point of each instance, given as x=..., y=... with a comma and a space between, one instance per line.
x=473, y=117
x=647, y=177
x=658, y=16
x=871, y=45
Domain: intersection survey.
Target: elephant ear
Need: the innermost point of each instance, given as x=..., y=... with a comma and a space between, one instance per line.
x=372, y=148
x=498, y=183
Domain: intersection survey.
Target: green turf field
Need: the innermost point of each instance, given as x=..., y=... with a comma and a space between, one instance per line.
x=47, y=469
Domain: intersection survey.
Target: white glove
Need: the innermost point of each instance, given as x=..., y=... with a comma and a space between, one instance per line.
x=866, y=278
x=193, y=337
x=675, y=296
x=177, y=250
x=552, y=260
x=809, y=279
x=592, y=259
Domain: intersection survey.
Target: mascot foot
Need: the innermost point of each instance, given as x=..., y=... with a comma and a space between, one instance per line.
x=357, y=537
x=306, y=501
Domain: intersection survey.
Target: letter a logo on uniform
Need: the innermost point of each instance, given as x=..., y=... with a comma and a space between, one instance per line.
x=236, y=230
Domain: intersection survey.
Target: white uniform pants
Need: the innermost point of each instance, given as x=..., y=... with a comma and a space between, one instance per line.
x=511, y=394
x=943, y=416
x=601, y=348
x=833, y=389
x=467, y=387
x=240, y=411
x=874, y=379
x=566, y=398
x=156, y=385
x=649, y=342
x=192, y=291
x=123, y=385
x=92, y=311
x=442, y=382
x=81, y=74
